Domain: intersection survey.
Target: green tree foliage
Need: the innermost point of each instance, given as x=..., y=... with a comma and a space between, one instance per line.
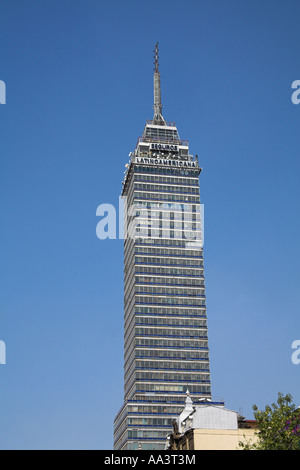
x=278, y=426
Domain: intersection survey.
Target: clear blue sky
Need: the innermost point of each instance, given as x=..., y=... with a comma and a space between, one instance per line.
x=79, y=90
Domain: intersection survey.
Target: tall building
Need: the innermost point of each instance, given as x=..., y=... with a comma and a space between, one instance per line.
x=165, y=327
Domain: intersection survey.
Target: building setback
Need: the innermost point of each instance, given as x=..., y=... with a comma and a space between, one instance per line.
x=165, y=327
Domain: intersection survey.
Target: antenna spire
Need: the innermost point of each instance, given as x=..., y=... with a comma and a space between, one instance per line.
x=156, y=58
x=158, y=118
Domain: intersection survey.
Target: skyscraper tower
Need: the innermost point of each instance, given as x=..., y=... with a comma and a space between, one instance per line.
x=165, y=327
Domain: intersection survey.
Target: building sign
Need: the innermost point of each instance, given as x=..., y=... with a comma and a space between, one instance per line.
x=166, y=162
x=170, y=148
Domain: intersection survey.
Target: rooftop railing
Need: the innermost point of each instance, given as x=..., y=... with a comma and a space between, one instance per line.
x=163, y=140
x=166, y=123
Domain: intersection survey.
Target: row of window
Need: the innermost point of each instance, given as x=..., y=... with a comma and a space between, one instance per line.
x=179, y=312
x=166, y=229
x=166, y=217
x=165, y=242
x=165, y=354
x=166, y=224
x=175, y=399
x=168, y=206
x=144, y=387
x=145, y=445
x=150, y=421
x=165, y=210
x=188, y=302
x=153, y=409
x=166, y=197
x=146, y=434
x=165, y=171
x=164, y=132
x=145, y=289
x=171, y=261
x=157, y=331
x=170, y=211
x=170, y=233
x=169, y=281
x=166, y=188
x=171, y=343
x=163, y=207
x=184, y=234
x=165, y=271
x=169, y=251
x=167, y=179
x=171, y=365
x=172, y=376
x=173, y=321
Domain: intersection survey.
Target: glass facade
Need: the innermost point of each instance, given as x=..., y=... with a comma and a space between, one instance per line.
x=165, y=328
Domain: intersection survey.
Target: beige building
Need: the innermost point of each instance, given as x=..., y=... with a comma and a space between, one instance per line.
x=205, y=426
